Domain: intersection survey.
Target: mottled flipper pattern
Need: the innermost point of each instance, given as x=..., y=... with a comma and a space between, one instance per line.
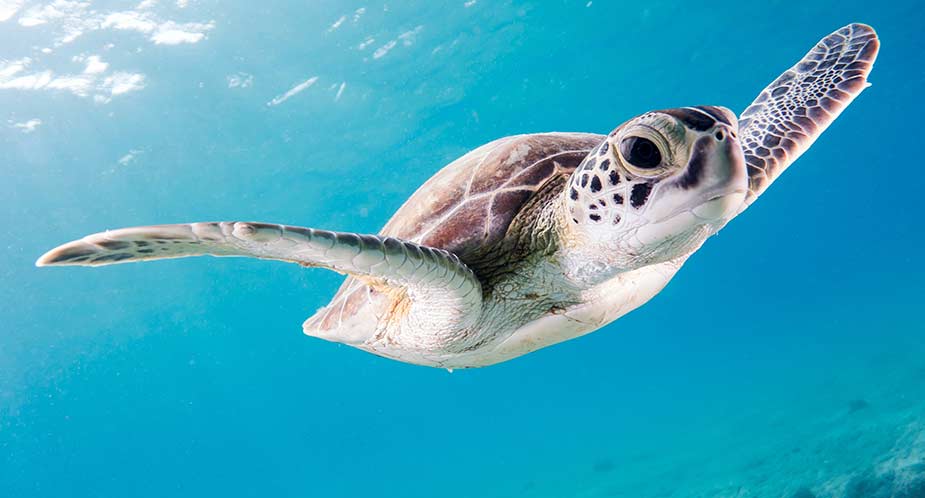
x=798, y=106
x=386, y=260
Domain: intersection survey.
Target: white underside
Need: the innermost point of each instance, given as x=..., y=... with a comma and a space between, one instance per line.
x=600, y=306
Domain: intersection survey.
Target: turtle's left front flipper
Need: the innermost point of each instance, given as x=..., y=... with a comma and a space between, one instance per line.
x=427, y=274
x=800, y=104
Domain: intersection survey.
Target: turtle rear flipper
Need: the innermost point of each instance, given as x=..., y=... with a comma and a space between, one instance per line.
x=801, y=103
x=420, y=276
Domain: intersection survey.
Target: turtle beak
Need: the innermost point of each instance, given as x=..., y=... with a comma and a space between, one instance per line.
x=724, y=175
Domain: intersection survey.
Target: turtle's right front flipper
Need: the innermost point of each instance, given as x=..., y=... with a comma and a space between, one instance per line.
x=428, y=276
x=791, y=113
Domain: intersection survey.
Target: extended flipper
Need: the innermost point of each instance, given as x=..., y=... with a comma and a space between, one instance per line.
x=429, y=276
x=798, y=106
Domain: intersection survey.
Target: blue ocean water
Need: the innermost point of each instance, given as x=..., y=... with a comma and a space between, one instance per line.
x=786, y=359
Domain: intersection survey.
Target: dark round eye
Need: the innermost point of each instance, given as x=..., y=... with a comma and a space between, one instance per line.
x=640, y=152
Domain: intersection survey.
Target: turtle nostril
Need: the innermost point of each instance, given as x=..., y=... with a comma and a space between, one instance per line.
x=719, y=135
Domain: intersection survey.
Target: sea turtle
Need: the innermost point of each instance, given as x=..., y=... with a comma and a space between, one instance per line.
x=531, y=240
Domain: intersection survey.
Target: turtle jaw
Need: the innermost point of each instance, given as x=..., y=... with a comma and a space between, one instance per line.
x=721, y=208
x=730, y=179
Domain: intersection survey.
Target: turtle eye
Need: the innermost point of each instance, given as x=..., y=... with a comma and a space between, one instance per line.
x=640, y=152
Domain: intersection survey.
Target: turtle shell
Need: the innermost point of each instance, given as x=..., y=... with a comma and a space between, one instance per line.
x=468, y=206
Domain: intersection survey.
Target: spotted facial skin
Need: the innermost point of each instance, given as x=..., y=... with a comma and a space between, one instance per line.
x=659, y=185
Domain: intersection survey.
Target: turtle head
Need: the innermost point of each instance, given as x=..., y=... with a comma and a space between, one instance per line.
x=658, y=186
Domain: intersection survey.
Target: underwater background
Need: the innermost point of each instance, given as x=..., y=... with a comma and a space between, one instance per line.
x=787, y=359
